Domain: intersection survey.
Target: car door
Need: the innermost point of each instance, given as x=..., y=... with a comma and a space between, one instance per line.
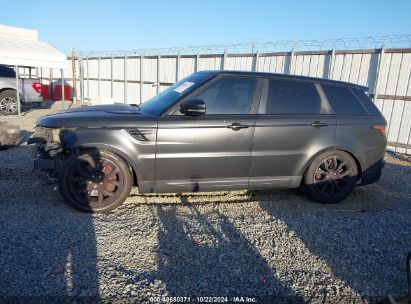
x=294, y=122
x=211, y=151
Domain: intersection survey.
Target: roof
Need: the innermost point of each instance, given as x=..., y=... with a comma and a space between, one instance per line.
x=20, y=47
x=288, y=77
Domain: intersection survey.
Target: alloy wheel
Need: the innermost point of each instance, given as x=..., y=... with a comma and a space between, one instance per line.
x=333, y=176
x=8, y=105
x=94, y=182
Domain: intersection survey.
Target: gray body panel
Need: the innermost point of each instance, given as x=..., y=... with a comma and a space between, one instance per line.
x=25, y=88
x=355, y=135
x=202, y=153
x=178, y=153
x=139, y=154
x=283, y=145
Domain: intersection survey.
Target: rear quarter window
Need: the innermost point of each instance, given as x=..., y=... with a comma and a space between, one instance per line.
x=367, y=102
x=343, y=101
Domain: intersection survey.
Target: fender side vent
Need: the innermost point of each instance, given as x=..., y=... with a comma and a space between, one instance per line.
x=137, y=134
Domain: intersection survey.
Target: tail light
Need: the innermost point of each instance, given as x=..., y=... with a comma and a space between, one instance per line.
x=380, y=129
x=36, y=86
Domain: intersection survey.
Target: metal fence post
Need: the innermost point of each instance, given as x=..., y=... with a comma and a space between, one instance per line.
x=98, y=74
x=330, y=64
x=18, y=92
x=377, y=76
x=224, y=60
x=403, y=112
x=141, y=79
x=197, y=62
x=111, y=77
x=125, y=79
x=88, y=82
x=290, y=62
x=178, y=67
x=158, y=73
x=81, y=68
x=256, y=58
x=51, y=83
x=62, y=89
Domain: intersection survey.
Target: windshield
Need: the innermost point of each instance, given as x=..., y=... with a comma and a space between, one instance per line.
x=161, y=102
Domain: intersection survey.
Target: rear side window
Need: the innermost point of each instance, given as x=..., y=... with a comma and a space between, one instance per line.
x=291, y=97
x=366, y=102
x=343, y=101
x=7, y=72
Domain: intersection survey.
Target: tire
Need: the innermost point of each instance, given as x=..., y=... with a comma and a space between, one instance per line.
x=95, y=181
x=331, y=177
x=8, y=102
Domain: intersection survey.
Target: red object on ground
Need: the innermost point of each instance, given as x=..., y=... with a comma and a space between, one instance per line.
x=57, y=92
x=45, y=91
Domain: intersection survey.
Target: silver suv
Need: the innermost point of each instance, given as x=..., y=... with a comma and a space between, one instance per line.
x=29, y=89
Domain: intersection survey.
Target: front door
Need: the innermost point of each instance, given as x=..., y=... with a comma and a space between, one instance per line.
x=211, y=151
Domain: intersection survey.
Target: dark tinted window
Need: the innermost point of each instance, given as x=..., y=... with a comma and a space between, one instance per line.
x=7, y=72
x=366, y=102
x=292, y=97
x=228, y=96
x=343, y=101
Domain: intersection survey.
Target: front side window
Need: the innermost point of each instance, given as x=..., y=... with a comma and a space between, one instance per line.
x=291, y=97
x=161, y=102
x=228, y=96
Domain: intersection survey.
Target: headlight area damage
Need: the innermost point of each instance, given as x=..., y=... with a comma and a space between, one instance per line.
x=51, y=149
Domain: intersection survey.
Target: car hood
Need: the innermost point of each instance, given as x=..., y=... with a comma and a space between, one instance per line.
x=101, y=116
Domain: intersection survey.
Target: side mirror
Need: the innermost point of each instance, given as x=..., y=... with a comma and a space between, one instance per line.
x=193, y=107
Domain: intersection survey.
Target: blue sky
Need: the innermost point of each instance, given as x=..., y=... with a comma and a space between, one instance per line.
x=113, y=25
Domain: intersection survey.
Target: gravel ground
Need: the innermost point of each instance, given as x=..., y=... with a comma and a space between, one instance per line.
x=270, y=245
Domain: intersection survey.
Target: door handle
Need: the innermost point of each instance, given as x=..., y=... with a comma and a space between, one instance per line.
x=319, y=124
x=237, y=126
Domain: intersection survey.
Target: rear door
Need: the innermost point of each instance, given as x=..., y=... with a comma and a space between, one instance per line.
x=294, y=122
x=212, y=151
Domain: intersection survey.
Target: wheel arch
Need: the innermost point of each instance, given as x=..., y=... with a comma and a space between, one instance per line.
x=12, y=89
x=114, y=150
x=359, y=162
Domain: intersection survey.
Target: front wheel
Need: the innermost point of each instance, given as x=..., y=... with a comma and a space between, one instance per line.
x=95, y=181
x=331, y=177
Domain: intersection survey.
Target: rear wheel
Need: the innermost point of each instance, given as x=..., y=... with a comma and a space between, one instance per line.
x=331, y=177
x=8, y=102
x=95, y=181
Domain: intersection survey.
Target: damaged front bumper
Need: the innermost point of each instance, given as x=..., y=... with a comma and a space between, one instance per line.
x=43, y=160
x=48, y=150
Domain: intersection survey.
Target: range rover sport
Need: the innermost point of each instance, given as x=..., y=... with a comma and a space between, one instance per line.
x=217, y=130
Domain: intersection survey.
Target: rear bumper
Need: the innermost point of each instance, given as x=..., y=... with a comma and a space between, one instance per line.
x=372, y=174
